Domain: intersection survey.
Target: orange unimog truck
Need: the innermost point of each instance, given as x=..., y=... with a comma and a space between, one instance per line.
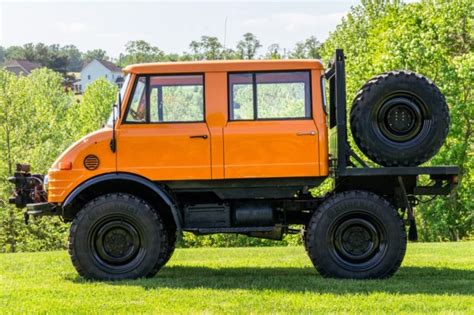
x=236, y=147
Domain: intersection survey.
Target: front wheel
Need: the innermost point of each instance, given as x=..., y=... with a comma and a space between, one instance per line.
x=356, y=235
x=118, y=236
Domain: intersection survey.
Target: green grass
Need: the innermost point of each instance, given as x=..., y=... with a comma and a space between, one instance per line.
x=434, y=278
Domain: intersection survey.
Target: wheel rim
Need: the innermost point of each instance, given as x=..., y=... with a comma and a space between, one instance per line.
x=401, y=118
x=117, y=243
x=357, y=241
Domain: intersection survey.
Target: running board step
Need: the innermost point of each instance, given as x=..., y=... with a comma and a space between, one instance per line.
x=239, y=229
x=268, y=232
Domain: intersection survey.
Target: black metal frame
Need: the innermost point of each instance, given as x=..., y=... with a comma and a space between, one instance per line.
x=342, y=164
x=399, y=184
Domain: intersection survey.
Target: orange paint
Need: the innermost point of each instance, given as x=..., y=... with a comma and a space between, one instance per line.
x=213, y=149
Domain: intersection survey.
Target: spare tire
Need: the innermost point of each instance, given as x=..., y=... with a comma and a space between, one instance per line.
x=399, y=118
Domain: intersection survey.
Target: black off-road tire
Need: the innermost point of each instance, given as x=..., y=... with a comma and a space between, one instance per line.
x=399, y=118
x=118, y=236
x=172, y=237
x=356, y=235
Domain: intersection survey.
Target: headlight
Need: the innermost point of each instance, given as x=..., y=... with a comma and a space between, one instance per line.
x=45, y=183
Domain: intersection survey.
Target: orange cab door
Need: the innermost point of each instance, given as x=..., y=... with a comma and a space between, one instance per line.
x=271, y=149
x=163, y=135
x=270, y=132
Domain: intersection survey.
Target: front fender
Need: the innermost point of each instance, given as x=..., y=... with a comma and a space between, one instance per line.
x=165, y=196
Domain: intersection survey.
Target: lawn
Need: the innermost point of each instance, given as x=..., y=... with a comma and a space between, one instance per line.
x=434, y=278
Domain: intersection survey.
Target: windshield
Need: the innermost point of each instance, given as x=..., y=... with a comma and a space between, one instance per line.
x=122, y=95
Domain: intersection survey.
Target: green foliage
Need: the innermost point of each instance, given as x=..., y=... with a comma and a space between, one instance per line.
x=33, y=110
x=62, y=59
x=94, y=109
x=433, y=38
x=248, y=46
x=39, y=120
x=139, y=51
x=233, y=240
x=98, y=54
x=208, y=48
x=307, y=49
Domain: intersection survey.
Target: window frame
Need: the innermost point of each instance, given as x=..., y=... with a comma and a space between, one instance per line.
x=147, y=100
x=254, y=95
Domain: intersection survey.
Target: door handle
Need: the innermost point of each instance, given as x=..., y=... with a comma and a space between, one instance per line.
x=306, y=133
x=198, y=136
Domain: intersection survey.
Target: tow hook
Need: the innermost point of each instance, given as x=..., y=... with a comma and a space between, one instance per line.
x=28, y=187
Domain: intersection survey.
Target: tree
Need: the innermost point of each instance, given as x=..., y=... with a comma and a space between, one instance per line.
x=14, y=52
x=248, y=46
x=2, y=55
x=98, y=54
x=140, y=51
x=307, y=49
x=433, y=38
x=72, y=57
x=95, y=107
x=33, y=128
x=273, y=52
x=208, y=48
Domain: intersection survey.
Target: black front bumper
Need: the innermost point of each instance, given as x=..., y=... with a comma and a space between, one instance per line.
x=42, y=208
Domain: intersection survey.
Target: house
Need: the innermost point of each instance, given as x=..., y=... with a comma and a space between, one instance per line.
x=98, y=69
x=21, y=67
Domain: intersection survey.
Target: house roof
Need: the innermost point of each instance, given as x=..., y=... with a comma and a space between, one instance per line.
x=224, y=66
x=110, y=65
x=26, y=65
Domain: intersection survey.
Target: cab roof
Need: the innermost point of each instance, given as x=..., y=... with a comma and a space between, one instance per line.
x=224, y=66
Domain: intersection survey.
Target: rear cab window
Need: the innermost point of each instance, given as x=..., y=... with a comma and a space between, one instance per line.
x=270, y=95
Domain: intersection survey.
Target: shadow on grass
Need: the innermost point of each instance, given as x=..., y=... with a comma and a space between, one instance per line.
x=408, y=280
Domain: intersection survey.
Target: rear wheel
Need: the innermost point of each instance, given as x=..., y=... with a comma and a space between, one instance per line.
x=356, y=235
x=118, y=236
x=399, y=118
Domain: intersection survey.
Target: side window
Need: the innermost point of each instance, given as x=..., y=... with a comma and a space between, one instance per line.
x=176, y=98
x=241, y=96
x=137, y=108
x=272, y=95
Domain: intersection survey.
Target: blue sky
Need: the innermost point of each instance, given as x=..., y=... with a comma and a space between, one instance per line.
x=169, y=25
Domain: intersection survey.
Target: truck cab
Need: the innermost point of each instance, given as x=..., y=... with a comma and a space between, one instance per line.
x=236, y=147
x=206, y=121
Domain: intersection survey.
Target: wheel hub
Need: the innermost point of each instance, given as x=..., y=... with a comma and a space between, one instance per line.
x=117, y=242
x=400, y=118
x=357, y=240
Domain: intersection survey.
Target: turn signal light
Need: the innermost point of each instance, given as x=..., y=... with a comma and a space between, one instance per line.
x=65, y=166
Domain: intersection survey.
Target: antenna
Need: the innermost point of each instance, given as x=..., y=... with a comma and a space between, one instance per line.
x=225, y=37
